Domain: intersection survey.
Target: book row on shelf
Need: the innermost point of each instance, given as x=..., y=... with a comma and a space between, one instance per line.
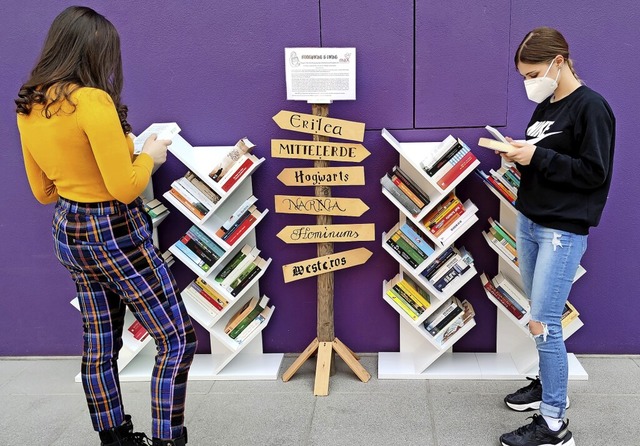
x=502, y=240
x=248, y=318
x=504, y=182
x=448, y=319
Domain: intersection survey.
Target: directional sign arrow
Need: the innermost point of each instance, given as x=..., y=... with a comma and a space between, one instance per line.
x=318, y=150
x=325, y=264
x=294, y=204
x=322, y=176
x=327, y=233
x=320, y=125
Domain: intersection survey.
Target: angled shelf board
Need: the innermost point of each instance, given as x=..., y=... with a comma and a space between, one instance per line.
x=427, y=354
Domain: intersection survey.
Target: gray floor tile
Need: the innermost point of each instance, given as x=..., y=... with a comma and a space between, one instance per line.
x=45, y=377
x=376, y=419
x=608, y=375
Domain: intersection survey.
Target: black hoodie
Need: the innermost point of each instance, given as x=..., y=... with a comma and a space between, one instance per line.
x=567, y=182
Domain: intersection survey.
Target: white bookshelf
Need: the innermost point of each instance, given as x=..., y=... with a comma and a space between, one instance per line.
x=422, y=356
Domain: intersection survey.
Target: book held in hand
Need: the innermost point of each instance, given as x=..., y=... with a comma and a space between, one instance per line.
x=163, y=130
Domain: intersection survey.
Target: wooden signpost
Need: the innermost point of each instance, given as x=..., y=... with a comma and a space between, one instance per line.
x=324, y=206
x=329, y=176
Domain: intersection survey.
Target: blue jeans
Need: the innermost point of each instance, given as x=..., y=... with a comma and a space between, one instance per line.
x=548, y=260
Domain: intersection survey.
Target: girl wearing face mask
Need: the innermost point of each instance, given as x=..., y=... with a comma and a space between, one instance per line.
x=566, y=166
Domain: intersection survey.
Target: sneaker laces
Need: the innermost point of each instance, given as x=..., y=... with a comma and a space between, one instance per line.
x=523, y=430
x=140, y=438
x=534, y=383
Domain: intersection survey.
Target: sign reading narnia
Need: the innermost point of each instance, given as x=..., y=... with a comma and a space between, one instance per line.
x=323, y=176
x=327, y=233
x=320, y=125
x=294, y=204
x=318, y=150
x=325, y=264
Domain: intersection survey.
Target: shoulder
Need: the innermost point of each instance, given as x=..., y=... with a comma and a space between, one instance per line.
x=590, y=100
x=90, y=95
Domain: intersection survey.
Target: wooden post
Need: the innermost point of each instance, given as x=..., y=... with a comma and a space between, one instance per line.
x=326, y=344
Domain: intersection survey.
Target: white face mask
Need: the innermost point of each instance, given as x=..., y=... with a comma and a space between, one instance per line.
x=541, y=88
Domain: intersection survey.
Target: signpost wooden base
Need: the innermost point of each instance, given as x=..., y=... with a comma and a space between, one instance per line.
x=325, y=344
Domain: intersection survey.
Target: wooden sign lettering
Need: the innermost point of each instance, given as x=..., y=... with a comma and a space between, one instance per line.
x=325, y=264
x=294, y=204
x=320, y=125
x=322, y=176
x=327, y=233
x=318, y=150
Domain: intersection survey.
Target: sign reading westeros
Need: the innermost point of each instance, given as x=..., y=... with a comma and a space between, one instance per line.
x=327, y=233
x=294, y=204
x=320, y=125
x=322, y=176
x=318, y=150
x=325, y=264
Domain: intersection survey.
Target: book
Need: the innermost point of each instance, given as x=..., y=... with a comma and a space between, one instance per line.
x=441, y=315
x=204, y=239
x=402, y=294
x=496, y=145
x=202, y=186
x=501, y=282
x=192, y=256
x=451, y=153
x=242, y=312
x=163, y=130
x=506, y=303
x=415, y=288
x=239, y=169
x=438, y=261
x=456, y=170
x=496, y=134
x=231, y=264
x=237, y=214
x=412, y=185
x=432, y=157
x=138, y=331
x=397, y=193
x=232, y=236
x=403, y=305
x=249, y=316
x=404, y=255
x=467, y=314
x=240, y=148
x=196, y=193
x=407, y=191
x=253, y=326
x=400, y=239
x=245, y=279
x=237, y=270
x=416, y=237
x=201, y=301
x=209, y=292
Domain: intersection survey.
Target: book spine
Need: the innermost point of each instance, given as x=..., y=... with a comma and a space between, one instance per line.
x=200, y=250
x=232, y=236
x=236, y=215
x=191, y=255
x=226, y=270
x=247, y=271
x=406, y=247
x=245, y=281
x=444, y=160
x=244, y=334
x=433, y=266
x=196, y=193
x=205, y=240
x=439, y=317
x=503, y=300
x=417, y=308
x=446, y=320
x=245, y=322
x=406, y=257
x=400, y=196
x=408, y=192
x=195, y=202
x=452, y=215
x=402, y=305
x=406, y=179
x=414, y=294
x=187, y=204
x=417, y=239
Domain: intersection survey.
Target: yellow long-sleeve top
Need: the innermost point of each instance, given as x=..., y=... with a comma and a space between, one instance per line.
x=81, y=155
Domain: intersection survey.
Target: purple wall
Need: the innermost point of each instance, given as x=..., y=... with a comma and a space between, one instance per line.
x=219, y=71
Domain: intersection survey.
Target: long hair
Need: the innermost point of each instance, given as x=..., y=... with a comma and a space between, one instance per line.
x=82, y=49
x=542, y=45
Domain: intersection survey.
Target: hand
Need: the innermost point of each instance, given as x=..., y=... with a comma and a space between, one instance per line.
x=521, y=154
x=156, y=149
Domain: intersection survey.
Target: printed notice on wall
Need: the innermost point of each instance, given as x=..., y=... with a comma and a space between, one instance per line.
x=320, y=75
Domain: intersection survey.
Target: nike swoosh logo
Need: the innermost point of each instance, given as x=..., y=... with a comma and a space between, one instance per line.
x=535, y=141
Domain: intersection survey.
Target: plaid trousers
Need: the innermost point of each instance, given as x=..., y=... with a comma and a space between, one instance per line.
x=108, y=250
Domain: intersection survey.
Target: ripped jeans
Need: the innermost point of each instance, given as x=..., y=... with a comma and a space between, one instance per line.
x=548, y=260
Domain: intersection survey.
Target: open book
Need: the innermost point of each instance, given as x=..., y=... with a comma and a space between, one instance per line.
x=499, y=143
x=163, y=130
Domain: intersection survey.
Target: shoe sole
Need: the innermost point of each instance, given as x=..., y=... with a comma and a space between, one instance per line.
x=569, y=442
x=531, y=406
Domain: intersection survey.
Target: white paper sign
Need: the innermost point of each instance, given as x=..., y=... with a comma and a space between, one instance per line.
x=320, y=75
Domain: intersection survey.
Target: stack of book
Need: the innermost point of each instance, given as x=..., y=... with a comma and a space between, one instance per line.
x=505, y=182
x=247, y=319
x=410, y=244
x=569, y=314
x=155, y=208
x=440, y=221
x=449, y=265
x=508, y=294
x=168, y=258
x=239, y=222
x=206, y=296
x=234, y=164
x=503, y=240
x=199, y=248
x=445, y=164
x=194, y=195
x=241, y=270
x=409, y=296
x=405, y=190
x=448, y=319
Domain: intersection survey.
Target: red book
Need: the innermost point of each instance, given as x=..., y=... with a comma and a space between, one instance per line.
x=506, y=193
x=456, y=170
x=498, y=295
x=241, y=229
x=237, y=174
x=447, y=220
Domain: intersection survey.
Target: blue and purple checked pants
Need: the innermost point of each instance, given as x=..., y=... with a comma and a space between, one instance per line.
x=108, y=250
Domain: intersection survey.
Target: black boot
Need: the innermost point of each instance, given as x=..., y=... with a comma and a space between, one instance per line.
x=123, y=435
x=180, y=441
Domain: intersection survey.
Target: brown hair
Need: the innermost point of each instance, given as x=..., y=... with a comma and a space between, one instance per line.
x=82, y=49
x=542, y=45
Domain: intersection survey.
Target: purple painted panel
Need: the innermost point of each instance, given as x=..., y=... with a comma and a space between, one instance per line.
x=382, y=33
x=461, y=63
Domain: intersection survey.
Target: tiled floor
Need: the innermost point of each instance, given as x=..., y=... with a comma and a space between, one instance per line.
x=40, y=404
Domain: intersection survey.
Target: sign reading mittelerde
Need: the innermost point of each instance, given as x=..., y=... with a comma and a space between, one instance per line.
x=318, y=150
